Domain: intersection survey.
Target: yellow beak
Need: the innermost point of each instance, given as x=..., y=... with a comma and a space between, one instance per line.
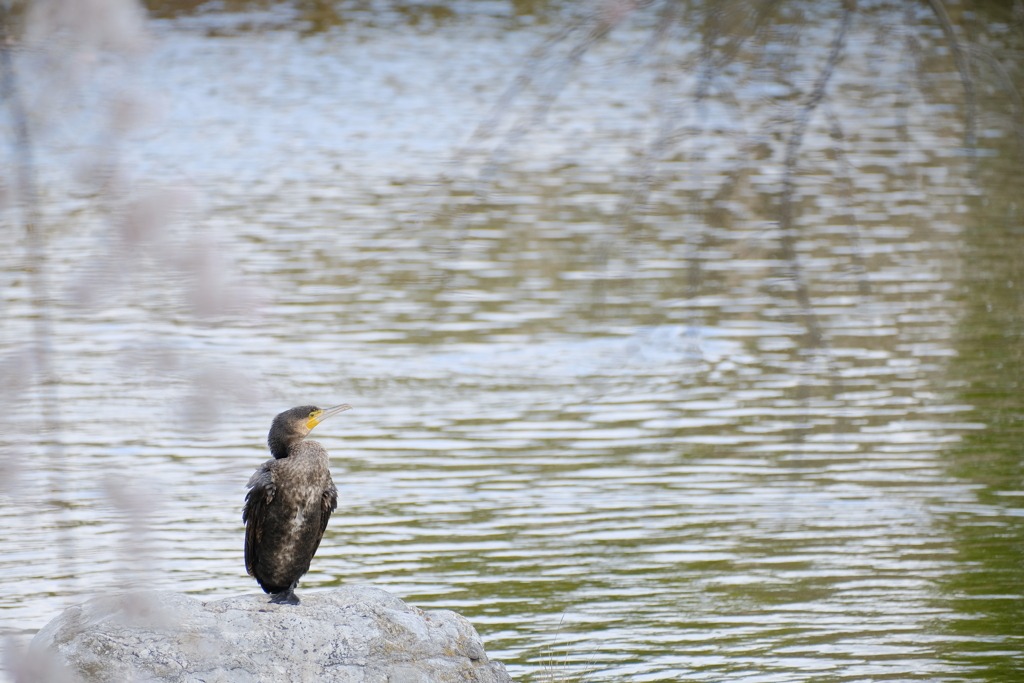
x=321, y=415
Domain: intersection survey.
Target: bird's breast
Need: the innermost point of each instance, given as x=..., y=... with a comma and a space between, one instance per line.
x=299, y=519
x=302, y=478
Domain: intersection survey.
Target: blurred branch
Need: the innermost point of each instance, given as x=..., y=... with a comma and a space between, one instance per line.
x=49, y=424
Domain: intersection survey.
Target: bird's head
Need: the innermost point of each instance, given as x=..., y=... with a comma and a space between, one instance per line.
x=295, y=424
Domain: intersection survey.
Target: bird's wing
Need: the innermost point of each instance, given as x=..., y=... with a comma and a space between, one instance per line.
x=254, y=513
x=328, y=502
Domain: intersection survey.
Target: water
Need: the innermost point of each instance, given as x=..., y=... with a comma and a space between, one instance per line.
x=617, y=450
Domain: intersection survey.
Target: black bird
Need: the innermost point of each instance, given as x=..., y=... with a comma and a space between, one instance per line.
x=290, y=499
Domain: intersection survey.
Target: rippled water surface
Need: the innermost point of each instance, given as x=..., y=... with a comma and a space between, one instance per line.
x=616, y=445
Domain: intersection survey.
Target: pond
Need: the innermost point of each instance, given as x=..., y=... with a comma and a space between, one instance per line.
x=660, y=369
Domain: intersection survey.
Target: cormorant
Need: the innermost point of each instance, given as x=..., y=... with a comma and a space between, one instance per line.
x=289, y=501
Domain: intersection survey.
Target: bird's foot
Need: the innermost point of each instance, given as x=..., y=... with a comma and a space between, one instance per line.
x=285, y=597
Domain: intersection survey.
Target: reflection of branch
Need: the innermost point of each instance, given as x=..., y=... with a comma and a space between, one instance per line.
x=42, y=353
x=712, y=67
x=736, y=41
x=846, y=181
x=596, y=26
x=963, y=66
x=988, y=58
x=713, y=60
x=637, y=201
x=670, y=10
x=459, y=215
x=787, y=238
x=523, y=79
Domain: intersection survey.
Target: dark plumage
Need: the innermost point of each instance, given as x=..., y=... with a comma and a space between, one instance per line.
x=290, y=499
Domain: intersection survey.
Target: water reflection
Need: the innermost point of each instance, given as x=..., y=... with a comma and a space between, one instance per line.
x=988, y=531
x=561, y=416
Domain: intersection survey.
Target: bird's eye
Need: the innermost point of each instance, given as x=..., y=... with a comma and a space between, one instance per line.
x=313, y=414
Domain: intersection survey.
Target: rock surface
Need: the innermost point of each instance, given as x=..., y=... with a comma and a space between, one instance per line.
x=357, y=633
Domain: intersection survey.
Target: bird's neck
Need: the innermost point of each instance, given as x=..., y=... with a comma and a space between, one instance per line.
x=282, y=448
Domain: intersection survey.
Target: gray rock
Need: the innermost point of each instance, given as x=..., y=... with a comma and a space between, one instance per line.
x=354, y=634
